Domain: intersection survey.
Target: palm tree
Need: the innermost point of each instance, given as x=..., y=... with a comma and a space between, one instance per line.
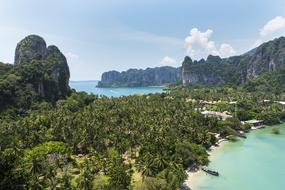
x=36, y=167
x=35, y=184
x=65, y=183
x=51, y=176
x=85, y=181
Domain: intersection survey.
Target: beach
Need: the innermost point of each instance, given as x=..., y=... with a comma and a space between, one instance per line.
x=194, y=176
x=256, y=162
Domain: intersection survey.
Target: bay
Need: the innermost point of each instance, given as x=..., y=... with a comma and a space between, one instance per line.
x=257, y=162
x=90, y=87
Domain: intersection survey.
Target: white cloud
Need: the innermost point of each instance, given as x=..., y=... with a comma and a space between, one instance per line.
x=272, y=26
x=168, y=61
x=226, y=50
x=71, y=56
x=200, y=46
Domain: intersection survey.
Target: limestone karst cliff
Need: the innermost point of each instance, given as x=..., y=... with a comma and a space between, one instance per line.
x=269, y=56
x=237, y=70
x=33, y=49
x=39, y=73
x=139, y=77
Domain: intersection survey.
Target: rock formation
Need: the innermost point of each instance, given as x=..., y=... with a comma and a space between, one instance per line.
x=139, y=77
x=53, y=84
x=214, y=70
x=32, y=47
x=269, y=56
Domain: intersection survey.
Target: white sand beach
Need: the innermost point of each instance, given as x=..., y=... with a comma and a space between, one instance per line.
x=194, y=176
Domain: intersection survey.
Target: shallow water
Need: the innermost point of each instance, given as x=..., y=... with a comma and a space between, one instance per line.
x=257, y=162
x=90, y=87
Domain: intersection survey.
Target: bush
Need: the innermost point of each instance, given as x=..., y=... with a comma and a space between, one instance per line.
x=191, y=153
x=270, y=118
x=42, y=150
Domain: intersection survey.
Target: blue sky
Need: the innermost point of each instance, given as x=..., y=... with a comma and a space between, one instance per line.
x=102, y=35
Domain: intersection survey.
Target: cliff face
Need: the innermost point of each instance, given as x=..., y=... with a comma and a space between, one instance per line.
x=140, y=77
x=214, y=70
x=201, y=72
x=53, y=80
x=40, y=73
x=32, y=47
x=59, y=70
x=269, y=56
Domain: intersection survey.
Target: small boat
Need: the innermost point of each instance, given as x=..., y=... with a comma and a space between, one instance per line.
x=242, y=135
x=210, y=171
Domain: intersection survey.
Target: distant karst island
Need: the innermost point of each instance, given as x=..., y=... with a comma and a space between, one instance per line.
x=140, y=77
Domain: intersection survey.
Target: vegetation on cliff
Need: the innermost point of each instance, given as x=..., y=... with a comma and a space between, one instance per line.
x=214, y=70
x=37, y=76
x=235, y=70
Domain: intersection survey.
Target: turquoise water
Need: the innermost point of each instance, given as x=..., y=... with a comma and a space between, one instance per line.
x=90, y=87
x=257, y=162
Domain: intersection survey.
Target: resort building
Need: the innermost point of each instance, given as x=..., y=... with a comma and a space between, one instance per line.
x=218, y=115
x=204, y=102
x=255, y=124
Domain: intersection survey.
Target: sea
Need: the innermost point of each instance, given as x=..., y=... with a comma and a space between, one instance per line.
x=254, y=163
x=90, y=87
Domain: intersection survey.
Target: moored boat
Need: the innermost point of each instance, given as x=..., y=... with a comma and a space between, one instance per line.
x=210, y=171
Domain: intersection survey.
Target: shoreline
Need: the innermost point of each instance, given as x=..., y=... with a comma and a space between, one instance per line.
x=194, y=175
x=162, y=86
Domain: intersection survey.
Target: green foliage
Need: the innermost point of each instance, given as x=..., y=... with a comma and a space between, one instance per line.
x=191, y=153
x=269, y=82
x=41, y=151
x=101, y=182
x=233, y=123
x=9, y=178
x=151, y=183
x=4, y=68
x=86, y=123
x=119, y=173
x=23, y=85
x=270, y=118
x=85, y=180
x=65, y=182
